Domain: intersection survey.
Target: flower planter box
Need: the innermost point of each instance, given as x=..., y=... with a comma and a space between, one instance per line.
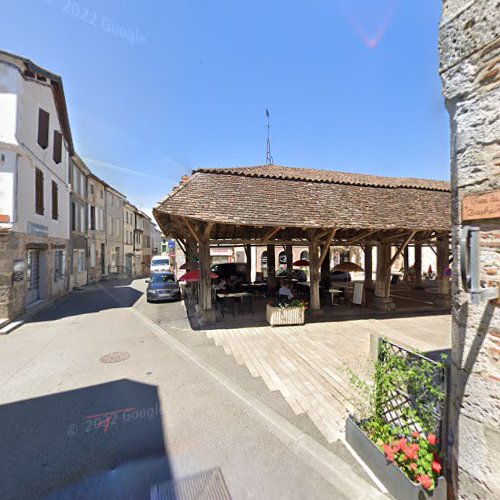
x=389, y=474
x=285, y=315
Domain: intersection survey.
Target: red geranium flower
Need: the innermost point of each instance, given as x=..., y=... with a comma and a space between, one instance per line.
x=413, y=466
x=432, y=439
x=415, y=434
x=425, y=481
x=436, y=467
x=402, y=443
x=389, y=453
x=411, y=451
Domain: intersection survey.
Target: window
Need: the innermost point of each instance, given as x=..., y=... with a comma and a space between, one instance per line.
x=91, y=188
x=57, y=152
x=92, y=218
x=73, y=216
x=55, y=201
x=81, y=261
x=92, y=254
x=43, y=128
x=117, y=227
x=82, y=185
x=110, y=225
x=82, y=219
x=39, y=204
x=59, y=261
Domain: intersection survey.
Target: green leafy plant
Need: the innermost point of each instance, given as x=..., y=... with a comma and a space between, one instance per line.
x=399, y=411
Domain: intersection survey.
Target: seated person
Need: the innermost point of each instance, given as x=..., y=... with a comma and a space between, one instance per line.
x=284, y=292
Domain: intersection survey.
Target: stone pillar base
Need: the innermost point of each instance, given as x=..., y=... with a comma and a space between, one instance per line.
x=384, y=304
x=443, y=301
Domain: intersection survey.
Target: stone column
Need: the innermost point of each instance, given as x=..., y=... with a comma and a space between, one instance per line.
x=271, y=268
x=443, y=298
x=382, y=300
x=470, y=72
x=368, y=265
x=314, y=268
x=248, y=254
x=418, y=267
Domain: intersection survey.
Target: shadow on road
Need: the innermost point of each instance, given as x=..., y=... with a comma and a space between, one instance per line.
x=105, y=440
x=91, y=299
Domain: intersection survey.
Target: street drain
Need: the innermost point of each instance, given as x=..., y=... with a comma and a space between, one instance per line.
x=115, y=357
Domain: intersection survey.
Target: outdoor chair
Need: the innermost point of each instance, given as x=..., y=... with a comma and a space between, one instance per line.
x=246, y=304
x=227, y=305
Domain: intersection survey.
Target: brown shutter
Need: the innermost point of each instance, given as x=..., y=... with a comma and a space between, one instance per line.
x=43, y=128
x=57, y=153
x=39, y=192
x=55, y=201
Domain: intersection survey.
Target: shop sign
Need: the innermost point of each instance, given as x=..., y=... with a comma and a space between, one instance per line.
x=18, y=270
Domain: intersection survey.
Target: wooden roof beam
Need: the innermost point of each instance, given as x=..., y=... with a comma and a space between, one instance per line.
x=360, y=237
x=326, y=248
x=400, y=249
x=191, y=230
x=271, y=233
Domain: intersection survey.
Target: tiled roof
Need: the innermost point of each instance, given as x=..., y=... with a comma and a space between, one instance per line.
x=282, y=196
x=330, y=176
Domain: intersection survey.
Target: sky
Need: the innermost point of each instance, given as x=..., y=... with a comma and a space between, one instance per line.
x=158, y=88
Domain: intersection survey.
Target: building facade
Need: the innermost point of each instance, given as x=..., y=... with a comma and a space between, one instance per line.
x=470, y=72
x=129, y=260
x=146, y=244
x=96, y=233
x=140, y=222
x=35, y=146
x=114, y=232
x=78, y=250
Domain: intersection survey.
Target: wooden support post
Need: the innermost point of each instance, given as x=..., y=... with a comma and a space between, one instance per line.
x=289, y=262
x=326, y=277
x=271, y=269
x=443, y=258
x=314, y=269
x=418, y=267
x=382, y=300
x=368, y=267
x=406, y=263
x=205, y=283
x=248, y=253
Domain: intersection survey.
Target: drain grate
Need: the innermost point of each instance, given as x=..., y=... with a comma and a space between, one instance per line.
x=208, y=485
x=115, y=357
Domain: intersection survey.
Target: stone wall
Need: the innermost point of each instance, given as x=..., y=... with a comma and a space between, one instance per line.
x=470, y=70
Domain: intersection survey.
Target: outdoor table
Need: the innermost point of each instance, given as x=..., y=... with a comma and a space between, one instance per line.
x=333, y=292
x=236, y=295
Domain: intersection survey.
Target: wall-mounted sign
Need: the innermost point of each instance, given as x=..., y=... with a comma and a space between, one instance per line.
x=171, y=244
x=18, y=270
x=481, y=206
x=37, y=229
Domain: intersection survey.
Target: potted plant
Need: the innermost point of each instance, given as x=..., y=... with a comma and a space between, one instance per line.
x=286, y=314
x=395, y=436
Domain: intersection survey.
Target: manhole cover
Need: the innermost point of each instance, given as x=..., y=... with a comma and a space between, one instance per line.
x=115, y=357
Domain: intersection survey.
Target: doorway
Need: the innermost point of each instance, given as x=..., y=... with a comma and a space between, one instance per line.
x=33, y=271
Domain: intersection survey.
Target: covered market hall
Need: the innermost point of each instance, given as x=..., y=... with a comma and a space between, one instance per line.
x=274, y=206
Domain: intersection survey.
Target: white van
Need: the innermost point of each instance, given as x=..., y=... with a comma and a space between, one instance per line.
x=159, y=264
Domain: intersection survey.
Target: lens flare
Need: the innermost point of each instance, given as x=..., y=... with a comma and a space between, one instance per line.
x=370, y=19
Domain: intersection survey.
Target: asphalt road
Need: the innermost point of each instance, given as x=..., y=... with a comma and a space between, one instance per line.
x=103, y=396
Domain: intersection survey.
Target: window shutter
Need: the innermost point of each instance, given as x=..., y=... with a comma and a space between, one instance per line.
x=43, y=128
x=55, y=201
x=39, y=205
x=57, y=151
x=89, y=217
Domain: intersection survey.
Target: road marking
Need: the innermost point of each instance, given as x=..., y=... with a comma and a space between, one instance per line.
x=333, y=469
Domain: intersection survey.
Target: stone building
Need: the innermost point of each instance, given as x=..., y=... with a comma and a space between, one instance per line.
x=114, y=231
x=78, y=173
x=140, y=223
x=128, y=238
x=470, y=71
x=146, y=243
x=96, y=234
x=35, y=146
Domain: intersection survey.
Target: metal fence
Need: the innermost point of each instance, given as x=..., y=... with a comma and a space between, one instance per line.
x=417, y=400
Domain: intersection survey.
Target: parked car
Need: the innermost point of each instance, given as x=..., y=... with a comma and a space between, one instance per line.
x=228, y=269
x=159, y=264
x=297, y=274
x=340, y=276
x=162, y=286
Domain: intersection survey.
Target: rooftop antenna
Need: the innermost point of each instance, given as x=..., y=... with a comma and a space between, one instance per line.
x=269, y=158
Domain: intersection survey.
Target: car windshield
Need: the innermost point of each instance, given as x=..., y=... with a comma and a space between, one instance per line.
x=162, y=278
x=160, y=262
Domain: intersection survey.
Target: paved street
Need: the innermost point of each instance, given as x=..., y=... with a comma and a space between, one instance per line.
x=103, y=380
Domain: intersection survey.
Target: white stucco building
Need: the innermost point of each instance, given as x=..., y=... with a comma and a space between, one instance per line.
x=35, y=145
